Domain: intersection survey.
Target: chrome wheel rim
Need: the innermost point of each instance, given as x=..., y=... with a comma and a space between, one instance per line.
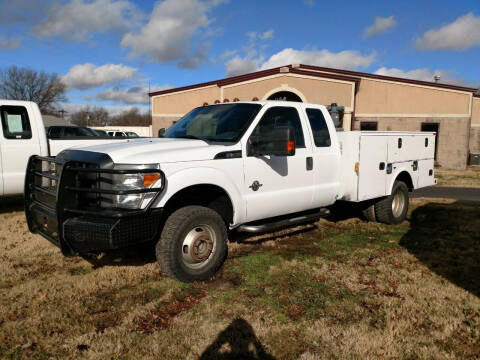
x=398, y=204
x=198, y=246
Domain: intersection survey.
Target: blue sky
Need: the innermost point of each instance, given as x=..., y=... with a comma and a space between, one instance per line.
x=108, y=51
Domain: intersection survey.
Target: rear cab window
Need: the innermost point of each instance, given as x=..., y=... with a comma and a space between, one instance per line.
x=15, y=122
x=321, y=135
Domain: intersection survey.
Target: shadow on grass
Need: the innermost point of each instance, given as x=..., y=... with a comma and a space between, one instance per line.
x=446, y=238
x=237, y=341
x=139, y=255
x=11, y=204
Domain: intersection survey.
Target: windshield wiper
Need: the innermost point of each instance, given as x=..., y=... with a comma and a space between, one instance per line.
x=190, y=137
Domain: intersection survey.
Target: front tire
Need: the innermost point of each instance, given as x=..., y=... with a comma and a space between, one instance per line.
x=193, y=244
x=393, y=209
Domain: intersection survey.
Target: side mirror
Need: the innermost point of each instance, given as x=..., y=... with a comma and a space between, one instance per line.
x=161, y=132
x=279, y=142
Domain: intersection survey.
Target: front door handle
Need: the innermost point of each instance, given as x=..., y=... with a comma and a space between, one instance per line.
x=309, y=163
x=255, y=185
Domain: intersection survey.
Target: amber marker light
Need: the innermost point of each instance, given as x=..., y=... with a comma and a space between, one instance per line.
x=290, y=145
x=150, y=179
x=356, y=167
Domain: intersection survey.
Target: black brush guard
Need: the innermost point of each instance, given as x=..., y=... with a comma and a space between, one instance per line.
x=55, y=206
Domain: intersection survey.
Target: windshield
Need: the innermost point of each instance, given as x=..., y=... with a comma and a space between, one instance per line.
x=224, y=122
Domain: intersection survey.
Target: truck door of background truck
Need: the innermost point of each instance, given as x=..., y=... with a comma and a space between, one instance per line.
x=278, y=185
x=18, y=141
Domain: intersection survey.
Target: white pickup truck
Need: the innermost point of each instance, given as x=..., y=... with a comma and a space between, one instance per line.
x=248, y=166
x=22, y=135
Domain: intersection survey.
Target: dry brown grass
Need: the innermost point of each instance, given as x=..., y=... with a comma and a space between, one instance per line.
x=332, y=290
x=459, y=178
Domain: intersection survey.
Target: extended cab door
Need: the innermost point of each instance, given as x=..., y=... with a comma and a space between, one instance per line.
x=17, y=142
x=278, y=185
x=325, y=161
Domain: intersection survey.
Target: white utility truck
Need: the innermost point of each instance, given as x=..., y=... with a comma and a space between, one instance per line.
x=248, y=166
x=22, y=135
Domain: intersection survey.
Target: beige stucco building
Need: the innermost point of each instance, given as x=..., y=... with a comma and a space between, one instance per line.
x=371, y=102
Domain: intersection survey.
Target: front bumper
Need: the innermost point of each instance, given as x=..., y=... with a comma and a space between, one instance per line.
x=55, y=207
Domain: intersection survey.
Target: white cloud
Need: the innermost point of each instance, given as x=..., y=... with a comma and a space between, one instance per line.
x=87, y=76
x=252, y=35
x=380, y=26
x=423, y=74
x=167, y=35
x=133, y=95
x=347, y=59
x=79, y=19
x=239, y=65
x=461, y=34
x=8, y=44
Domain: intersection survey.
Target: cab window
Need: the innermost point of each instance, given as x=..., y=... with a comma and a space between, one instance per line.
x=321, y=135
x=15, y=122
x=281, y=116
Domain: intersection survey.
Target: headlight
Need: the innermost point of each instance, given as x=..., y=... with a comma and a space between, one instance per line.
x=134, y=182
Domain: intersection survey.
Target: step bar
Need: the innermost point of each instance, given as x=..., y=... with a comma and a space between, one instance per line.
x=256, y=227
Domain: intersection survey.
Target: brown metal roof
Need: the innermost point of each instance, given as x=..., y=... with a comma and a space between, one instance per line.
x=324, y=72
x=389, y=78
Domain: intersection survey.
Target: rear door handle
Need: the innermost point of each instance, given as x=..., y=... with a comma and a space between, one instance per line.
x=309, y=163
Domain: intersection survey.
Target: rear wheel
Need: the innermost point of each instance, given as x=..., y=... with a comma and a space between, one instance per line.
x=368, y=213
x=193, y=244
x=393, y=209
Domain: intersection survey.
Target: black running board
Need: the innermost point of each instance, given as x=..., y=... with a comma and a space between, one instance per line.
x=276, y=223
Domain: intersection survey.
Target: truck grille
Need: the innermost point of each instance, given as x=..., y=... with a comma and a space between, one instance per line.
x=57, y=190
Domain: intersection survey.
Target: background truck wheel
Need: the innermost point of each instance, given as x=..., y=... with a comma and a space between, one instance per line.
x=393, y=209
x=193, y=244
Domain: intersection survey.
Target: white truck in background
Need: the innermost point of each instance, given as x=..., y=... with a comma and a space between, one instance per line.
x=245, y=166
x=22, y=135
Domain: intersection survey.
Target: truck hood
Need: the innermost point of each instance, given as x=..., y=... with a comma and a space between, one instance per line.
x=163, y=150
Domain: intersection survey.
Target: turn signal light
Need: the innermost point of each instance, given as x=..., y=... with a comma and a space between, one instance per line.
x=356, y=167
x=290, y=145
x=150, y=179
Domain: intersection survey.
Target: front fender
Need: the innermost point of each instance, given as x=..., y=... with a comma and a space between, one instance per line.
x=184, y=178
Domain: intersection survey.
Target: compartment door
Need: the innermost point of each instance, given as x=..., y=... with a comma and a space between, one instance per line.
x=372, y=174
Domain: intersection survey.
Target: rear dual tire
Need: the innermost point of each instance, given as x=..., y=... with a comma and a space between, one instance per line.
x=393, y=209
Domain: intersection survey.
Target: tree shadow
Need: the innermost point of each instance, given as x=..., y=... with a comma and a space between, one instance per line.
x=446, y=238
x=237, y=341
x=11, y=204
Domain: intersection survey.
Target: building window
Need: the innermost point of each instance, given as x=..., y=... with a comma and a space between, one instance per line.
x=432, y=127
x=368, y=125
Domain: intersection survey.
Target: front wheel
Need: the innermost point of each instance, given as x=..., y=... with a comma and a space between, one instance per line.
x=393, y=209
x=193, y=244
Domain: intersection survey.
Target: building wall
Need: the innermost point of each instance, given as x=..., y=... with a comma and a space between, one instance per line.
x=476, y=111
x=318, y=91
x=159, y=122
x=382, y=97
x=453, y=135
x=183, y=102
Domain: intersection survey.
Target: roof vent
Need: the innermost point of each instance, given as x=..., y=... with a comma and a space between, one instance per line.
x=284, y=69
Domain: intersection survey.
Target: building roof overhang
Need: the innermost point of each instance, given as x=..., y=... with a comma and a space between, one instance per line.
x=314, y=71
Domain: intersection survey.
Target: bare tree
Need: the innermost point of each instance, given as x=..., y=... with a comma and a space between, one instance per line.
x=46, y=89
x=96, y=116
x=131, y=117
